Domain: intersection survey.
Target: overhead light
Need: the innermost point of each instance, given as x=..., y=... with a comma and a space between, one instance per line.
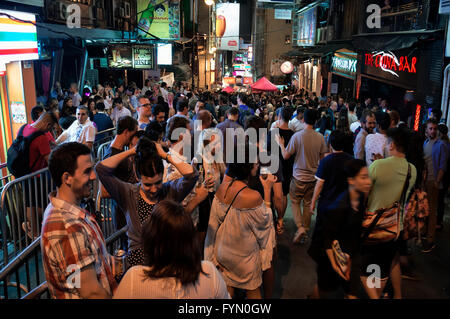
x=209, y=2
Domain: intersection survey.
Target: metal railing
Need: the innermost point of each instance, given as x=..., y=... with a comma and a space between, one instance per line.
x=27, y=285
x=4, y=179
x=102, y=137
x=102, y=150
x=23, y=202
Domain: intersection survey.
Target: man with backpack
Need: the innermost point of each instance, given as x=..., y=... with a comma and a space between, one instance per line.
x=31, y=149
x=29, y=153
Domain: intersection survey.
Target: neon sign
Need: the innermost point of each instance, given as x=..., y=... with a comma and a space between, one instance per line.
x=347, y=65
x=417, y=118
x=388, y=62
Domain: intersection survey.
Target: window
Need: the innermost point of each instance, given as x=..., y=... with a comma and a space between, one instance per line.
x=287, y=39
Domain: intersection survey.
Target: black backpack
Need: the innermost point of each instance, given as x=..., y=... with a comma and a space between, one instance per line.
x=18, y=156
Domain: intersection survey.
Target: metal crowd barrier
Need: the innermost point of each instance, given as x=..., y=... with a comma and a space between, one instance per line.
x=6, y=178
x=106, y=136
x=28, y=274
x=102, y=150
x=23, y=202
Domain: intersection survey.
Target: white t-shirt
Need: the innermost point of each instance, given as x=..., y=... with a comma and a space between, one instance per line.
x=76, y=99
x=116, y=114
x=354, y=126
x=376, y=144
x=296, y=125
x=210, y=285
x=81, y=133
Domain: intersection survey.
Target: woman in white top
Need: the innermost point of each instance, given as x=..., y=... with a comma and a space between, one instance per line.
x=241, y=235
x=173, y=267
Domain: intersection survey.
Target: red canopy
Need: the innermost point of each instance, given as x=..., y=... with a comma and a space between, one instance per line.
x=228, y=89
x=263, y=85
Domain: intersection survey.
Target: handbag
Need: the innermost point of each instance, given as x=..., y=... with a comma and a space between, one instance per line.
x=383, y=225
x=416, y=213
x=342, y=259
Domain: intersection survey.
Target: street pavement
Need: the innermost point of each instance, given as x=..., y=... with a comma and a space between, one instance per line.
x=295, y=270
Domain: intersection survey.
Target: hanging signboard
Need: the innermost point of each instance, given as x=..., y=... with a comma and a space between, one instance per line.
x=143, y=57
x=399, y=66
x=227, y=26
x=307, y=22
x=160, y=18
x=344, y=64
x=282, y=14
x=120, y=57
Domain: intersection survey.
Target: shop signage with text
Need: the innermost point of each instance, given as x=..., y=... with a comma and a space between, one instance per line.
x=400, y=67
x=387, y=61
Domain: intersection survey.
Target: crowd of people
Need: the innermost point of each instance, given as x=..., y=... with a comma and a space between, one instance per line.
x=203, y=220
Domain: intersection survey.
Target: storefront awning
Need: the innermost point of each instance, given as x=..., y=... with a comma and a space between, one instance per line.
x=391, y=42
x=57, y=31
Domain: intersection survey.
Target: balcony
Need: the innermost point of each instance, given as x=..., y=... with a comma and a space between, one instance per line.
x=397, y=18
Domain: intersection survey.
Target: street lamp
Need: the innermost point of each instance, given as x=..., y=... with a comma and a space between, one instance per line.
x=209, y=2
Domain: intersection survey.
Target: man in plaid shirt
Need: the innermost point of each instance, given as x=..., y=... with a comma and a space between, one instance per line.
x=75, y=258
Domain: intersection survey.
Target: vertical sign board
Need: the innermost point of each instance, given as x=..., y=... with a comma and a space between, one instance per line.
x=227, y=26
x=307, y=22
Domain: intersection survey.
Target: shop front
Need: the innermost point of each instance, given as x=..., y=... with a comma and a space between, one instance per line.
x=18, y=47
x=342, y=76
x=309, y=75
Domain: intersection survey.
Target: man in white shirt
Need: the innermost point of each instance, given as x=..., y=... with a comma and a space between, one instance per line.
x=146, y=87
x=82, y=130
x=164, y=91
x=76, y=97
x=119, y=110
x=352, y=118
x=376, y=146
x=298, y=123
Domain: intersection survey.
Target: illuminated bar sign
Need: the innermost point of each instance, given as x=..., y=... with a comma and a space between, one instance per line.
x=344, y=64
x=401, y=67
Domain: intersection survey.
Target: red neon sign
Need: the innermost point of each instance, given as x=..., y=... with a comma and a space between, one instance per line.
x=417, y=118
x=390, y=63
x=2, y=73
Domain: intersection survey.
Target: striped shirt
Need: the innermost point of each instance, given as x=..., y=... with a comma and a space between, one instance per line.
x=72, y=240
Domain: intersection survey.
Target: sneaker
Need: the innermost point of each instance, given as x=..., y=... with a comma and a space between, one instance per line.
x=428, y=247
x=298, y=235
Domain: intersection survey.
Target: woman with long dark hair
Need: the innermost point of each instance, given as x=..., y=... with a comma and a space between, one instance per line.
x=66, y=115
x=241, y=235
x=173, y=267
x=138, y=200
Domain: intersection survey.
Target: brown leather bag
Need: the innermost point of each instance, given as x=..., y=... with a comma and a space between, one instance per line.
x=383, y=225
